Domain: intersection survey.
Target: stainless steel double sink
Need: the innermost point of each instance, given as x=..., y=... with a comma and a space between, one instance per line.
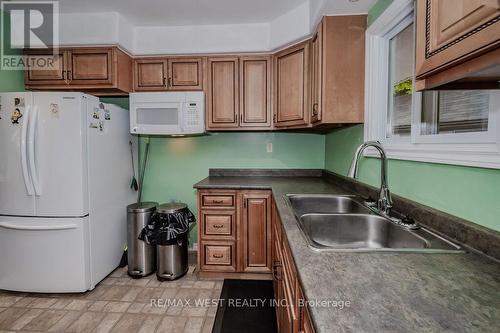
x=345, y=224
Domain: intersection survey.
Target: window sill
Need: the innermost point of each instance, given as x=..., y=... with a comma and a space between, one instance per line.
x=472, y=155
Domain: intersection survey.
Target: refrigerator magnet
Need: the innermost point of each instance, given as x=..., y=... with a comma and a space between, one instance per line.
x=15, y=116
x=54, y=110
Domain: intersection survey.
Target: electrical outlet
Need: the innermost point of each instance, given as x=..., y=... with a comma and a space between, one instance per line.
x=269, y=147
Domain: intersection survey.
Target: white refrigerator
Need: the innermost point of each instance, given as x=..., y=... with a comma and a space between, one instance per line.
x=65, y=170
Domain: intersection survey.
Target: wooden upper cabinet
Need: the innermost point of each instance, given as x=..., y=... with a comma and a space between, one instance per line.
x=452, y=33
x=223, y=93
x=291, y=68
x=150, y=74
x=90, y=66
x=337, y=71
x=185, y=73
x=52, y=74
x=316, y=74
x=99, y=71
x=165, y=73
x=256, y=231
x=255, y=91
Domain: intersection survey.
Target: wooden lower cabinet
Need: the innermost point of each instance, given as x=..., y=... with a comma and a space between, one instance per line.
x=292, y=313
x=234, y=231
x=256, y=231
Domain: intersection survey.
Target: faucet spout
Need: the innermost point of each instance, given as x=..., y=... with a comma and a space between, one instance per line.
x=385, y=200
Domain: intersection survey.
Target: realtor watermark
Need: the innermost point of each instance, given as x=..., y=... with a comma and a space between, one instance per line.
x=29, y=25
x=247, y=303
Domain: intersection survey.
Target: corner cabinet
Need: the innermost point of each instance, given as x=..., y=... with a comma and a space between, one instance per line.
x=291, y=87
x=337, y=71
x=100, y=71
x=168, y=74
x=457, y=44
x=239, y=93
x=234, y=232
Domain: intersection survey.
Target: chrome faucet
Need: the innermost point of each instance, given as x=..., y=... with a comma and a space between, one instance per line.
x=384, y=203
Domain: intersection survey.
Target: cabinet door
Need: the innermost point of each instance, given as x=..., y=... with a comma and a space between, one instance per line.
x=305, y=322
x=150, y=74
x=255, y=92
x=256, y=231
x=316, y=74
x=45, y=68
x=185, y=74
x=90, y=66
x=451, y=31
x=223, y=93
x=291, y=75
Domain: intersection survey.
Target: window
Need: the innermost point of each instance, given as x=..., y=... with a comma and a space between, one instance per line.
x=445, y=126
x=400, y=82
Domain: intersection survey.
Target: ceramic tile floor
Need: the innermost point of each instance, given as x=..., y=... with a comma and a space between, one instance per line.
x=118, y=304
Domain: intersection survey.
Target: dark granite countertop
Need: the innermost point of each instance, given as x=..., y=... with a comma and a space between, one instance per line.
x=388, y=292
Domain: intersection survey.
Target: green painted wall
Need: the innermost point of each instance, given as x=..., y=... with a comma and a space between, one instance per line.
x=470, y=193
x=9, y=80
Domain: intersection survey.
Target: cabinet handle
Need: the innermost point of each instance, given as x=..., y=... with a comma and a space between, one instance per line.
x=70, y=77
x=218, y=226
x=64, y=74
x=244, y=203
x=217, y=201
x=217, y=256
x=315, y=109
x=276, y=265
x=169, y=81
x=274, y=117
x=165, y=81
x=241, y=118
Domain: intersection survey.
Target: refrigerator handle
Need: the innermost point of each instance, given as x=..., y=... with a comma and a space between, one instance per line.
x=36, y=227
x=24, y=157
x=31, y=151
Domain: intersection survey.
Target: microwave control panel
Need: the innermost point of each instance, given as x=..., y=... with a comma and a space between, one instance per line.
x=192, y=114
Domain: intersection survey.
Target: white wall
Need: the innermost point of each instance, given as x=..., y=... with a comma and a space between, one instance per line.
x=111, y=28
x=290, y=27
x=202, y=39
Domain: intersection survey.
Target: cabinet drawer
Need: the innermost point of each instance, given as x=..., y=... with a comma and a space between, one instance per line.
x=220, y=200
x=218, y=224
x=218, y=256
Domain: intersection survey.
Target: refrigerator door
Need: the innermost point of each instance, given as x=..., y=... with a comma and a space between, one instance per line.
x=16, y=188
x=44, y=254
x=57, y=150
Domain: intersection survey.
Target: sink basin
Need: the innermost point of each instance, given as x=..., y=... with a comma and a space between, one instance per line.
x=344, y=224
x=324, y=203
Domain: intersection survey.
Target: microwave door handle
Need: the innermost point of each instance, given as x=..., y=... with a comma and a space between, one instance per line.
x=24, y=157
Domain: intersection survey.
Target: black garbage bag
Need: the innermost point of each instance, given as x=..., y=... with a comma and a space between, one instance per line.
x=164, y=228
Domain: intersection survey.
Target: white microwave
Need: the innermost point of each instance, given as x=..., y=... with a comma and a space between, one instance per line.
x=167, y=113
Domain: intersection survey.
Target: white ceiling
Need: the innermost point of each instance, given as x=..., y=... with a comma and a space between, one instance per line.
x=206, y=12
x=185, y=12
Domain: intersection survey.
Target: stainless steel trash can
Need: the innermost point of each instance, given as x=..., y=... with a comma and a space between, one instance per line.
x=140, y=255
x=172, y=260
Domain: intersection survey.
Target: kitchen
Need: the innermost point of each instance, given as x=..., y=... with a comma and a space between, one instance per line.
x=290, y=91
